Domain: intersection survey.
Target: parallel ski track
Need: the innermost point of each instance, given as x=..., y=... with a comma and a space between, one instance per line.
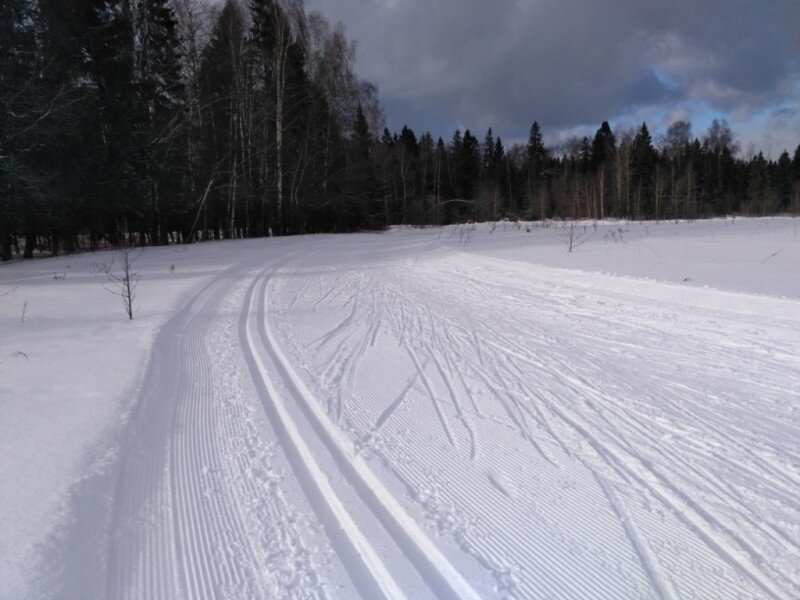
x=182, y=527
x=369, y=574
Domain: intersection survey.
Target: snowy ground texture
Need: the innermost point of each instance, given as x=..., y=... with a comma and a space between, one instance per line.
x=467, y=412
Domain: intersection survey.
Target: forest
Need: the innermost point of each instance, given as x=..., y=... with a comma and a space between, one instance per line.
x=152, y=122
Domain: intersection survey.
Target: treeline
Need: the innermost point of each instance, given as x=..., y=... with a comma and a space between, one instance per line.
x=622, y=175
x=159, y=121
x=156, y=121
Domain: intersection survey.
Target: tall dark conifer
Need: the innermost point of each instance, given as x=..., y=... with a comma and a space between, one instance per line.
x=644, y=159
x=536, y=155
x=471, y=166
x=364, y=200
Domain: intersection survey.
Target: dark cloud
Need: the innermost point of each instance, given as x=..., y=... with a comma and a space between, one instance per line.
x=568, y=63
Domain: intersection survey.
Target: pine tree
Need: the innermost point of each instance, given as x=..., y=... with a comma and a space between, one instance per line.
x=604, y=147
x=455, y=165
x=471, y=166
x=488, y=156
x=536, y=163
x=644, y=159
x=364, y=200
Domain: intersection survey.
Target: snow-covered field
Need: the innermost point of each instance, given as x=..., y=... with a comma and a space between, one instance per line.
x=456, y=413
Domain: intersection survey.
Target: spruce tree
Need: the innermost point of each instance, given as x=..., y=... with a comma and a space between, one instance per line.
x=470, y=165
x=488, y=156
x=455, y=165
x=604, y=148
x=536, y=163
x=364, y=200
x=644, y=160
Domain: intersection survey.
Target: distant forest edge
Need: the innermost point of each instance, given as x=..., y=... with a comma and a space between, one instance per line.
x=158, y=121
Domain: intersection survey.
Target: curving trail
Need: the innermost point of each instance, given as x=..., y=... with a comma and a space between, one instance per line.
x=199, y=510
x=389, y=417
x=234, y=483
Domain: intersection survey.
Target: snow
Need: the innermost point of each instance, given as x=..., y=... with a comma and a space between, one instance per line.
x=469, y=411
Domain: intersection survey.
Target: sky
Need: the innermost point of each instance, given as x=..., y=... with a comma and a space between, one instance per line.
x=570, y=64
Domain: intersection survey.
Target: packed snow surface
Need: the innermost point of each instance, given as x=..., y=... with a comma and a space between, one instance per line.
x=460, y=412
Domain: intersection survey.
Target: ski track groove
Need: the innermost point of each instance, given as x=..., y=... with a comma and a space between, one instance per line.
x=431, y=395
x=367, y=571
x=389, y=410
x=649, y=563
x=192, y=539
x=434, y=568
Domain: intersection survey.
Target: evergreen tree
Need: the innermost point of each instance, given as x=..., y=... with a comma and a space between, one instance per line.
x=536, y=163
x=488, y=156
x=644, y=159
x=364, y=199
x=604, y=148
x=470, y=165
x=537, y=153
x=455, y=165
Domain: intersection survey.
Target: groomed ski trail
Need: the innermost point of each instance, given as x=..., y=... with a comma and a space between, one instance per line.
x=202, y=510
x=197, y=510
